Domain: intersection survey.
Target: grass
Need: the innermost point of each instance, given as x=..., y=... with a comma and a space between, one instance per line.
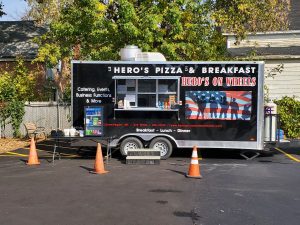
x=11, y=144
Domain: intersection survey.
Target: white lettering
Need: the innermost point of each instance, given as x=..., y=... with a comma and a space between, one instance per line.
x=87, y=89
x=146, y=130
x=165, y=130
x=168, y=70
x=183, y=131
x=228, y=70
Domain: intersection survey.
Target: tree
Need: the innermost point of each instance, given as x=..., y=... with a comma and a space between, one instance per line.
x=98, y=30
x=242, y=16
x=45, y=11
x=11, y=108
x=1, y=10
x=72, y=34
x=16, y=87
x=180, y=29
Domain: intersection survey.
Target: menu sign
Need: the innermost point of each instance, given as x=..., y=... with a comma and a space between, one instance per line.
x=93, y=119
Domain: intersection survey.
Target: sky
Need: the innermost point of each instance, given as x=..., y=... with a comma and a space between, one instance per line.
x=14, y=9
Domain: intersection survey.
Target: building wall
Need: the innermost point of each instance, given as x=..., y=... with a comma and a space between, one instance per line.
x=282, y=43
x=37, y=69
x=286, y=83
x=294, y=15
x=9, y=65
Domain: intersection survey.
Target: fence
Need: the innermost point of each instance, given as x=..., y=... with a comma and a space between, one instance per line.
x=45, y=114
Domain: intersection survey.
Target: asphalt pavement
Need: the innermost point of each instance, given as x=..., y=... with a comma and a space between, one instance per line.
x=233, y=191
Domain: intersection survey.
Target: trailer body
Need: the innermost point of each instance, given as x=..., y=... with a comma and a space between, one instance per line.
x=204, y=104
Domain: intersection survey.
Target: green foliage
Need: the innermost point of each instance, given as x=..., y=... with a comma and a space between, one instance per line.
x=1, y=10
x=16, y=87
x=23, y=81
x=11, y=108
x=44, y=11
x=67, y=94
x=182, y=30
x=242, y=16
x=73, y=33
x=7, y=95
x=289, y=112
x=7, y=90
x=17, y=111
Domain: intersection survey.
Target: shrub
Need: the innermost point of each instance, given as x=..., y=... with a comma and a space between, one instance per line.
x=289, y=112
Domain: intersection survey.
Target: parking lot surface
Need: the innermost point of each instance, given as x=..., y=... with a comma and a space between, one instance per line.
x=233, y=191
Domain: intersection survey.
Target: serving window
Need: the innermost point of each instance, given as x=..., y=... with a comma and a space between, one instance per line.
x=156, y=93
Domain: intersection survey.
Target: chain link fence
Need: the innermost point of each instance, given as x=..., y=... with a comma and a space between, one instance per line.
x=50, y=115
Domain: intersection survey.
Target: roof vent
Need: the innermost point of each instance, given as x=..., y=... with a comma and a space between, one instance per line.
x=129, y=52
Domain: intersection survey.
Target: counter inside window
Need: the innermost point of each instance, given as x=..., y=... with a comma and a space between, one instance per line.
x=149, y=93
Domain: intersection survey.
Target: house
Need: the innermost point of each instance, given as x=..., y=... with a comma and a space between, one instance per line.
x=275, y=48
x=17, y=40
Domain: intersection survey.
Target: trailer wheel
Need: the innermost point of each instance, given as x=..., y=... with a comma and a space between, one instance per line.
x=130, y=143
x=162, y=144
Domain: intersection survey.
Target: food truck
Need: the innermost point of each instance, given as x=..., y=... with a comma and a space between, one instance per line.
x=167, y=105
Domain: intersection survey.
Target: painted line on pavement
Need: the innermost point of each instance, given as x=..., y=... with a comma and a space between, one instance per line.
x=17, y=154
x=288, y=155
x=43, y=157
x=14, y=154
x=39, y=150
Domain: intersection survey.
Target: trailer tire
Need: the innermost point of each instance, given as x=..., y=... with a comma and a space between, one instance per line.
x=130, y=143
x=162, y=144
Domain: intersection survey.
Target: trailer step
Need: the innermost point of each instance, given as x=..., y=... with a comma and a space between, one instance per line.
x=142, y=161
x=143, y=157
x=143, y=152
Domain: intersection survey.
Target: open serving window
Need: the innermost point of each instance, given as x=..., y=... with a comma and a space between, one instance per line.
x=147, y=93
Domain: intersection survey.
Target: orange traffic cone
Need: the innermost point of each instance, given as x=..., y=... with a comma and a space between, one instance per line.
x=33, y=157
x=99, y=165
x=194, y=169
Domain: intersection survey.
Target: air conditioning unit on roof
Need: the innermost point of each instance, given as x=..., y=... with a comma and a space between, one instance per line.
x=150, y=56
x=133, y=53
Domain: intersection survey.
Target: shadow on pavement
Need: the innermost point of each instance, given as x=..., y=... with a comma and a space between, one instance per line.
x=292, y=150
x=87, y=168
x=46, y=147
x=291, y=146
x=177, y=171
x=215, y=153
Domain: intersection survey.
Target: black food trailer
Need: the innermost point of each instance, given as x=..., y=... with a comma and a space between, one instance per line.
x=163, y=105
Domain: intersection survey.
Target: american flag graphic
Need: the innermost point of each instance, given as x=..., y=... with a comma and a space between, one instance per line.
x=221, y=105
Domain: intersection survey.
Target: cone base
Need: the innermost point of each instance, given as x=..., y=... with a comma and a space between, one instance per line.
x=33, y=164
x=94, y=172
x=196, y=177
